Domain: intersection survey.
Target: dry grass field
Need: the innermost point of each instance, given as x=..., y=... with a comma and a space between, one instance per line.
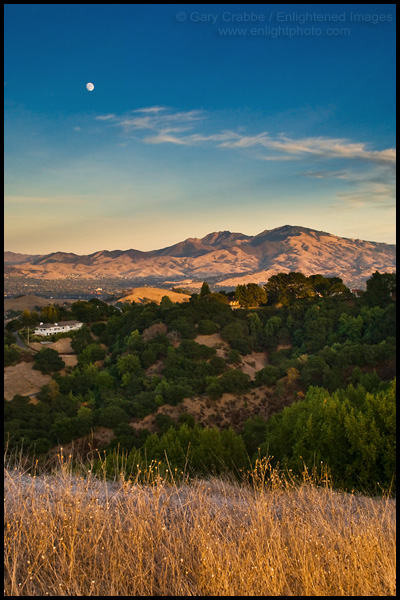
x=71, y=534
x=23, y=379
x=29, y=302
x=144, y=294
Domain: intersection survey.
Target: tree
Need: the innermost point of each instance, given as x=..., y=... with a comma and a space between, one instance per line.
x=271, y=328
x=250, y=295
x=214, y=389
x=236, y=330
x=234, y=356
x=381, y=288
x=205, y=290
x=11, y=355
x=254, y=434
x=166, y=302
x=80, y=339
x=186, y=330
x=269, y=375
x=283, y=288
x=235, y=381
x=49, y=314
x=350, y=328
x=48, y=361
x=207, y=327
x=91, y=354
x=112, y=416
x=29, y=319
x=129, y=363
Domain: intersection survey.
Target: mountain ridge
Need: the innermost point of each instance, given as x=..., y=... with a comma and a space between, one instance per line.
x=225, y=256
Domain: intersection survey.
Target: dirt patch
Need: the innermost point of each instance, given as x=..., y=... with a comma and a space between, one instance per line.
x=230, y=410
x=283, y=347
x=63, y=346
x=253, y=362
x=210, y=340
x=214, y=341
x=87, y=445
x=155, y=369
x=71, y=360
x=23, y=379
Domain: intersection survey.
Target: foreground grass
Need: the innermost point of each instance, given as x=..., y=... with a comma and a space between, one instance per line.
x=71, y=534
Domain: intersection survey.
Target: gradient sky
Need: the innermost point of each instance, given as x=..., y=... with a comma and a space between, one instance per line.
x=199, y=121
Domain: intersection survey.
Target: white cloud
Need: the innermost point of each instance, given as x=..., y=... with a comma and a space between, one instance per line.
x=320, y=147
x=150, y=109
x=178, y=128
x=105, y=117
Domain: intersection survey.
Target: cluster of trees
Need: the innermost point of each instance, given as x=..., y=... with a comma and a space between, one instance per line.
x=285, y=288
x=351, y=431
x=136, y=358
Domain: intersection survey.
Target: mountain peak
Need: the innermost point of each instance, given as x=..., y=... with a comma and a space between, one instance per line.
x=223, y=237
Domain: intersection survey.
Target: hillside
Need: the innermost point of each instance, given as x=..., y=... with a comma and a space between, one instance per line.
x=209, y=537
x=29, y=302
x=145, y=294
x=224, y=257
x=173, y=376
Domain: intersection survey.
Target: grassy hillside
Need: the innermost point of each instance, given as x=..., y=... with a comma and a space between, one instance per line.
x=153, y=294
x=70, y=534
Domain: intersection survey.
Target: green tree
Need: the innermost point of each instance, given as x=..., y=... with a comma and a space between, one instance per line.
x=381, y=288
x=29, y=319
x=49, y=314
x=205, y=290
x=112, y=416
x=129, y=363
x=250, y=295
x=207, y=327
x=234, y=356
x=91, y=354
x=235, y=381
x=269, y=375
x=284, y=288
x=214, y=389
x=48, y=361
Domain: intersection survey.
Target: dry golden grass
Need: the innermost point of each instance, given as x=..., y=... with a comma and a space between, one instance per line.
x=23, y=379
x=146, y=294
x=72, y=534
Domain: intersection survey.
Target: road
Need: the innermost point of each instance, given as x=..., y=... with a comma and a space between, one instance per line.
x=20, y=343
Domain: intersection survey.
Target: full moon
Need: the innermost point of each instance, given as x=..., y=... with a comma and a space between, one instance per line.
x=89, y=87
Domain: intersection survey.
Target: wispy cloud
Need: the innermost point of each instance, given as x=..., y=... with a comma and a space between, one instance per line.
x=105, y=117
x=188, y=128
x=319, y=147
x=150, y=109
x=156, y=119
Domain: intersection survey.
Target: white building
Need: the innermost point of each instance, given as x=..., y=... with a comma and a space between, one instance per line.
x=61, y=327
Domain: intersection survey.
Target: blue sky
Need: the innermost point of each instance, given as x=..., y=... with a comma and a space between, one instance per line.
x=202, y=118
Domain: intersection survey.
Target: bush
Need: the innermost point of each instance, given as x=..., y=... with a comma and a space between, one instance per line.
x=234, y=357
x=112, y=416
x=207, y=327
x=235, y=381
x=269, y=375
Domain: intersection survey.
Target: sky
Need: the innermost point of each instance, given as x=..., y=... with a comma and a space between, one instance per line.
x=239, y=117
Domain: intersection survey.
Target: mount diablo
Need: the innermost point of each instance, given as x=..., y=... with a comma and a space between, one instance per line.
x=223, y=257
